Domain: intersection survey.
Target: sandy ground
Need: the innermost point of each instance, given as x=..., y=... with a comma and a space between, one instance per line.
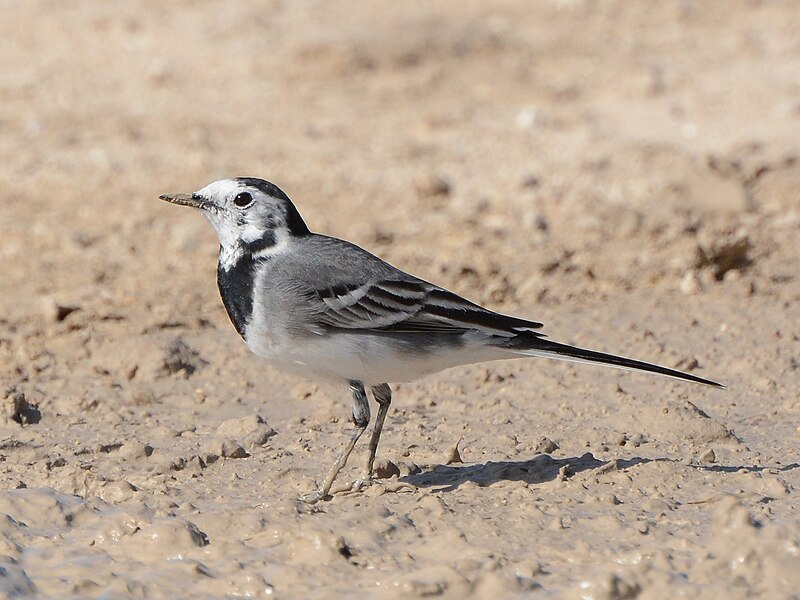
x=628, y=173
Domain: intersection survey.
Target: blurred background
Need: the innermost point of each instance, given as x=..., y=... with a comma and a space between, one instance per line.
x=604, y=141
x=626, y=172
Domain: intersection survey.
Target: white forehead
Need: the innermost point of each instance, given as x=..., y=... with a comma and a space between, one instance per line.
x=220, y=189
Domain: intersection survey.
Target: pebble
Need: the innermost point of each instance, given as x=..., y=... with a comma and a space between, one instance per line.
x=545, y=446
x=609, y=499
x=252, y=430
x=134, y=450
x=233, y=449
x=691, y=284
x=116, y=491
x=709, y=456
x=386, y=469
x=19, y=409
x=53, y=311
x=453, y=455
x=211, y=450
x=432, y=186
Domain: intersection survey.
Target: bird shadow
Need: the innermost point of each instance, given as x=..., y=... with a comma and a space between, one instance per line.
x=544, y=468
x=746, y=468
x=538, y=469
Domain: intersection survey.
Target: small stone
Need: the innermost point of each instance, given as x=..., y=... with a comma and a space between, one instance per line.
x=609, y=499
x=135, y=450
x=709, y=456
x=409, y=468
x=545, y=446
x=636, y=440
x=179, y=357
x=252, y=430
x=211, y=450
x=609, y=467
x=20, y=410
x=432, y=186
x=233, y=449
x=55, y=312
x=691, y=284
x=195, y=464
x=56, y=463
x=687, y=363
x=162, y=431
x=116, y=491
x=724, y=255
x=453, y=455
x=386, y=469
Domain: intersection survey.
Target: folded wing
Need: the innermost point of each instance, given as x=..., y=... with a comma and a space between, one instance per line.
x=412, y=306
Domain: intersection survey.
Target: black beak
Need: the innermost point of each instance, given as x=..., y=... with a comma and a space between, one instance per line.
x=192, y=200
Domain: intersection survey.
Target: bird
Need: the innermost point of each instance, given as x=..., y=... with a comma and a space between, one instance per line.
x=327, y=309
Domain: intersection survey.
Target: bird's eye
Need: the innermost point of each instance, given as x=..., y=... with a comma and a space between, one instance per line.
x=243, y=199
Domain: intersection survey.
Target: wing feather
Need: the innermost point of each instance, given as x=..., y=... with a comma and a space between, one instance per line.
x=403, y=306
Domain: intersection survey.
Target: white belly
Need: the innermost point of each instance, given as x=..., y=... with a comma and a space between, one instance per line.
x=371, y=359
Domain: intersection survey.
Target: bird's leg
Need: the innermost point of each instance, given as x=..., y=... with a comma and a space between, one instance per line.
x=360, y=420
x=383, y=396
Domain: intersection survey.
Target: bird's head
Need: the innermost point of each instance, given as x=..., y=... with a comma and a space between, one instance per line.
x=250, y=215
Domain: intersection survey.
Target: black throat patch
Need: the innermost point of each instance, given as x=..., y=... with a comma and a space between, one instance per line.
x=236, y=286
x=237, y=283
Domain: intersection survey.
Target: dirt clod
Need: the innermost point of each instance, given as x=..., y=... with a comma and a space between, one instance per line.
x=545, y=446
x=20, y=410
x=453, y=455
x=179, y=357
x=724, y=255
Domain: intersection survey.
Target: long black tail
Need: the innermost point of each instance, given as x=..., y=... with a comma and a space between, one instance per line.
x=550, y=349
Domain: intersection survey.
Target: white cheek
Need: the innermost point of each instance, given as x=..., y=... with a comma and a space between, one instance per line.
x=251, y=233
x=226, y=230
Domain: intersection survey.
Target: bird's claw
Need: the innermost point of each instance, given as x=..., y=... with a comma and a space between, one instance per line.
x=360, y=484
x=315, y=497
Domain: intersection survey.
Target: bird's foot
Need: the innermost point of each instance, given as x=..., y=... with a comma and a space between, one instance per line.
x=355, y=487
x=315, y=497
x=362, y=483
x=358, y=486
x=376, y=487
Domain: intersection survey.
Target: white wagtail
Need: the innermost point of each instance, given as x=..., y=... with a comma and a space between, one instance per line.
x=323, y=307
